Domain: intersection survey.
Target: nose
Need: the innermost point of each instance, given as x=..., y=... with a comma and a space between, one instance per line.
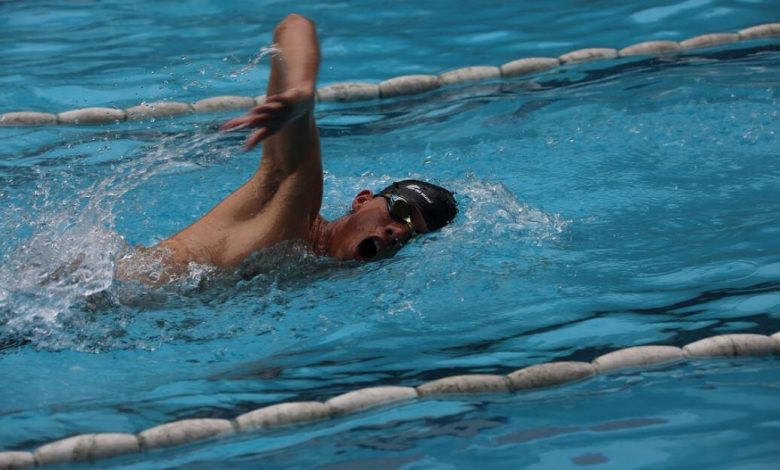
x=396, y=233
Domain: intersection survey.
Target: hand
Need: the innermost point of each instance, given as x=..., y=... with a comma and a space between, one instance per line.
x=271, y=116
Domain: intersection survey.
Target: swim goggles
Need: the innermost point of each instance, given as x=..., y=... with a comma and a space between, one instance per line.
x=401, y=211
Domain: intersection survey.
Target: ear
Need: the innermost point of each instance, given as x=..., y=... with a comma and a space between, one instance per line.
x=361, y=198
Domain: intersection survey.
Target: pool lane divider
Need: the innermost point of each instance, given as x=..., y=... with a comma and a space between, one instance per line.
x=91, y=447
x=391, y=88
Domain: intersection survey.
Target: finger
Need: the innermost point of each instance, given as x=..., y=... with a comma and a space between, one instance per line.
x=243, y=122
x=256, y=137
x=260, y=119
x=229, y=124
x=233, y=126
x=274, y=98
x=235, y=123
x=267, y=107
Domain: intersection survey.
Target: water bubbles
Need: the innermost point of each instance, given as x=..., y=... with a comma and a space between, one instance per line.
x=493, y=208
x=272, y=49
x=55, y=277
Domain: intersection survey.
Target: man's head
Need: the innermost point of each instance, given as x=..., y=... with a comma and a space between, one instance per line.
x=380, y=224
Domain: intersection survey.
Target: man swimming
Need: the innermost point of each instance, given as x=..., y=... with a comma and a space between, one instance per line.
x=282, y=200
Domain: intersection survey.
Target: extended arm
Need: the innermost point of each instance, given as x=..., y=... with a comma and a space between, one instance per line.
x=290, y=92
x=282, y=200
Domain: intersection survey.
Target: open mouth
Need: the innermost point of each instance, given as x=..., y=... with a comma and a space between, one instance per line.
x=369, y=248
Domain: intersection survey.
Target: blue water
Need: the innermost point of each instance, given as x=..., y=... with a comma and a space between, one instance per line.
x=602, y=206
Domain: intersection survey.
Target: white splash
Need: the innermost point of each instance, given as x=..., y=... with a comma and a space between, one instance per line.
x=68, y=262
x=492, y=207
x=264, y=51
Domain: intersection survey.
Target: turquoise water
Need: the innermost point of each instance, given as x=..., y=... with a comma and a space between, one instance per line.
x=602, y=206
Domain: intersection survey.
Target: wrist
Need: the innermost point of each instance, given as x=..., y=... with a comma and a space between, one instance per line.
x=306, y=91
x=302, y=95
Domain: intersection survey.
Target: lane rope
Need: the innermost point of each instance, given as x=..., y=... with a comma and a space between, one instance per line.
x=394, y=87
x=91, y=447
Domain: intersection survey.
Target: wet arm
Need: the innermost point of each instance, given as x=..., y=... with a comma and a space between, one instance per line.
x=285, y=122
x=283, y=198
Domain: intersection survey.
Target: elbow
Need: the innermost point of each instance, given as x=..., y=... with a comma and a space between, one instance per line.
x=295, y=20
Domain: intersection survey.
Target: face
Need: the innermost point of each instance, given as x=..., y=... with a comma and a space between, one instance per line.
x=369, y=232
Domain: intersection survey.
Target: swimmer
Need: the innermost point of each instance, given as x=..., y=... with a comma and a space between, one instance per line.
x=282, y=200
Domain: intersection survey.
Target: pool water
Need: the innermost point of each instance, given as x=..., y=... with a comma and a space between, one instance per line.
x=602, y=206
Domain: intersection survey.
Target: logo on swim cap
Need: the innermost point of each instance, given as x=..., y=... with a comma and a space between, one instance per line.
x=419, y=191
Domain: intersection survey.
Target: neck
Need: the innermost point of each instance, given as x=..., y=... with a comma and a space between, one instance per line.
x=322, y=235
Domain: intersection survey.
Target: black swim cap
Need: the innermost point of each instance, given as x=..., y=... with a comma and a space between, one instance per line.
x=436, y=204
